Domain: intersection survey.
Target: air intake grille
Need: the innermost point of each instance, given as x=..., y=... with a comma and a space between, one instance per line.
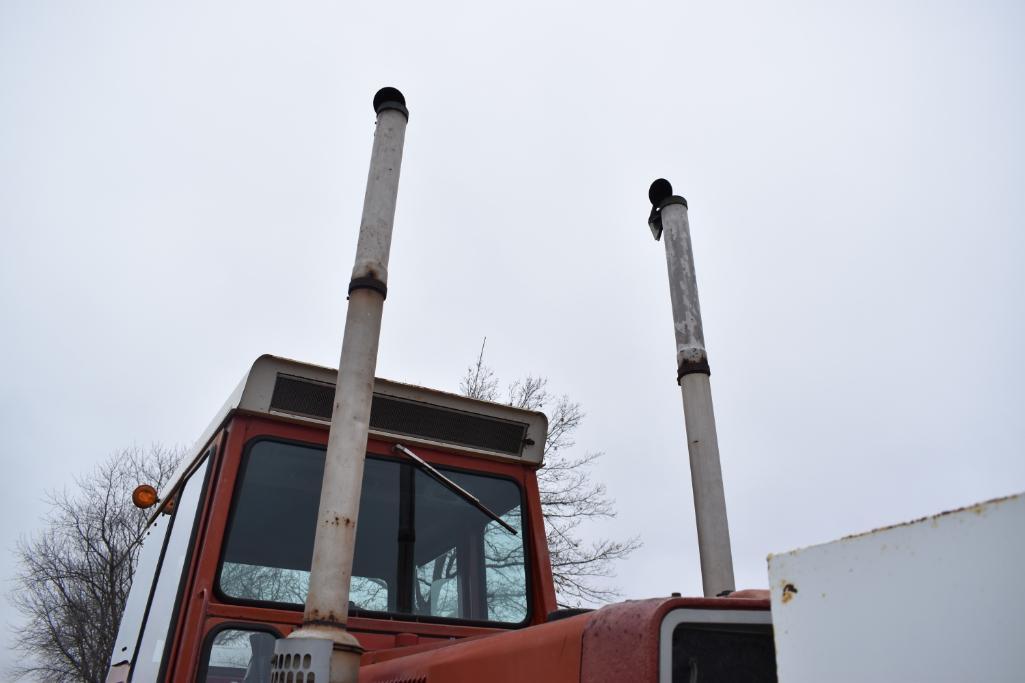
x=292, y=395
x=405, y=417
x=389, y=414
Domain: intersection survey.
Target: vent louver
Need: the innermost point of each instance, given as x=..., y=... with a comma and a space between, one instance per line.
x=303, y=397
x=405, y=417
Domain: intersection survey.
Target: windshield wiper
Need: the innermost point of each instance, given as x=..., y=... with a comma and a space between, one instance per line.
x=452, y=486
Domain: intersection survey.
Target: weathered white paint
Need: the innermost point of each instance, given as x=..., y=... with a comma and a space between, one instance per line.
x=683, y=285
x=327, y=603
x=706, y=480
x=938, y=599
x=702, y=442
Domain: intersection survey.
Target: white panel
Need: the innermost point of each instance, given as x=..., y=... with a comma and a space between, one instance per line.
x=938, y=599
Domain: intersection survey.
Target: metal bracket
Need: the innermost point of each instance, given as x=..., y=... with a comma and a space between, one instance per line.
x=655, y=217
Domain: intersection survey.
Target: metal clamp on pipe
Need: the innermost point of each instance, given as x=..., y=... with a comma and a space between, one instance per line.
x=691, y=367
x=373, y=283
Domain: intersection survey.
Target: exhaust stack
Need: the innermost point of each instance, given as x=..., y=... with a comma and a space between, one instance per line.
x=323, y=635
x=669, y=218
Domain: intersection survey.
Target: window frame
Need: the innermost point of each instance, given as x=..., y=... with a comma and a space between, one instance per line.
x=525, y=532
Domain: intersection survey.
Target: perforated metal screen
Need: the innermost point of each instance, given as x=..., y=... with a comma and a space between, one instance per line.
x=405, y=417
x=292, y=395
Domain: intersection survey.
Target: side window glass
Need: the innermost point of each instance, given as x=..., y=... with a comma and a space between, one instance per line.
x=239, y=656
x=142, y=585
x=505, y=578
x=162, y=611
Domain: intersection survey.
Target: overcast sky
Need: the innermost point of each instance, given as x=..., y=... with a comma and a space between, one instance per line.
x=181, y=187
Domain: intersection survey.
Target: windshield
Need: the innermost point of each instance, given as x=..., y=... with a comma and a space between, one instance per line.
x=421, y=551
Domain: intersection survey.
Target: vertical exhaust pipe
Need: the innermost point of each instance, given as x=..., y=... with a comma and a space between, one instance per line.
x=323, y=635
x=669, y=218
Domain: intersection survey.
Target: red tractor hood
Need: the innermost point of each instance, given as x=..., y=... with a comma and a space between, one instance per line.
x=616, y=643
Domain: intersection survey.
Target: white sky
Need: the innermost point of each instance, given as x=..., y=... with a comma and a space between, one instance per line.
x=181, y=185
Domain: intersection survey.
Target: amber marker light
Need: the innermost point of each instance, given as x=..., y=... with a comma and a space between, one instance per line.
x=144, y=496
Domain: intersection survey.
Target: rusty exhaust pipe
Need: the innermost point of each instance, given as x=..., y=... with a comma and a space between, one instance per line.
x=669, y=218
x=334, y=653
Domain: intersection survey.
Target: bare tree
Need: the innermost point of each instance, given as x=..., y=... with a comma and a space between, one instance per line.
x=569, y=495
x=74, y=575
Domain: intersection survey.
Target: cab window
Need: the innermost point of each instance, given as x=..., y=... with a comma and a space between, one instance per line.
x=422, y=552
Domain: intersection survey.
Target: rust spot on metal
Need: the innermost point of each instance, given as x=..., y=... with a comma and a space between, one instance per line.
x=789, y=591
x=979, y=509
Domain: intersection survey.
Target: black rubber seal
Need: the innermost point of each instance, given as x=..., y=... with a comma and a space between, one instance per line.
x=390, y=98
x=675, y=199
x=566, y=613
x=692, y=367
x=368, y=283
x=397, y=106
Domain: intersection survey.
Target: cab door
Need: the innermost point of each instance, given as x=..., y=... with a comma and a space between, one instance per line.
x=145, y=638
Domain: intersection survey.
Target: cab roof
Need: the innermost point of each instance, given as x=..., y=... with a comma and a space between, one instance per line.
x=301, y=392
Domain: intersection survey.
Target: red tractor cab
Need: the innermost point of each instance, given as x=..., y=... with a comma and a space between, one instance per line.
x=225, y=562
x=441, y=590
